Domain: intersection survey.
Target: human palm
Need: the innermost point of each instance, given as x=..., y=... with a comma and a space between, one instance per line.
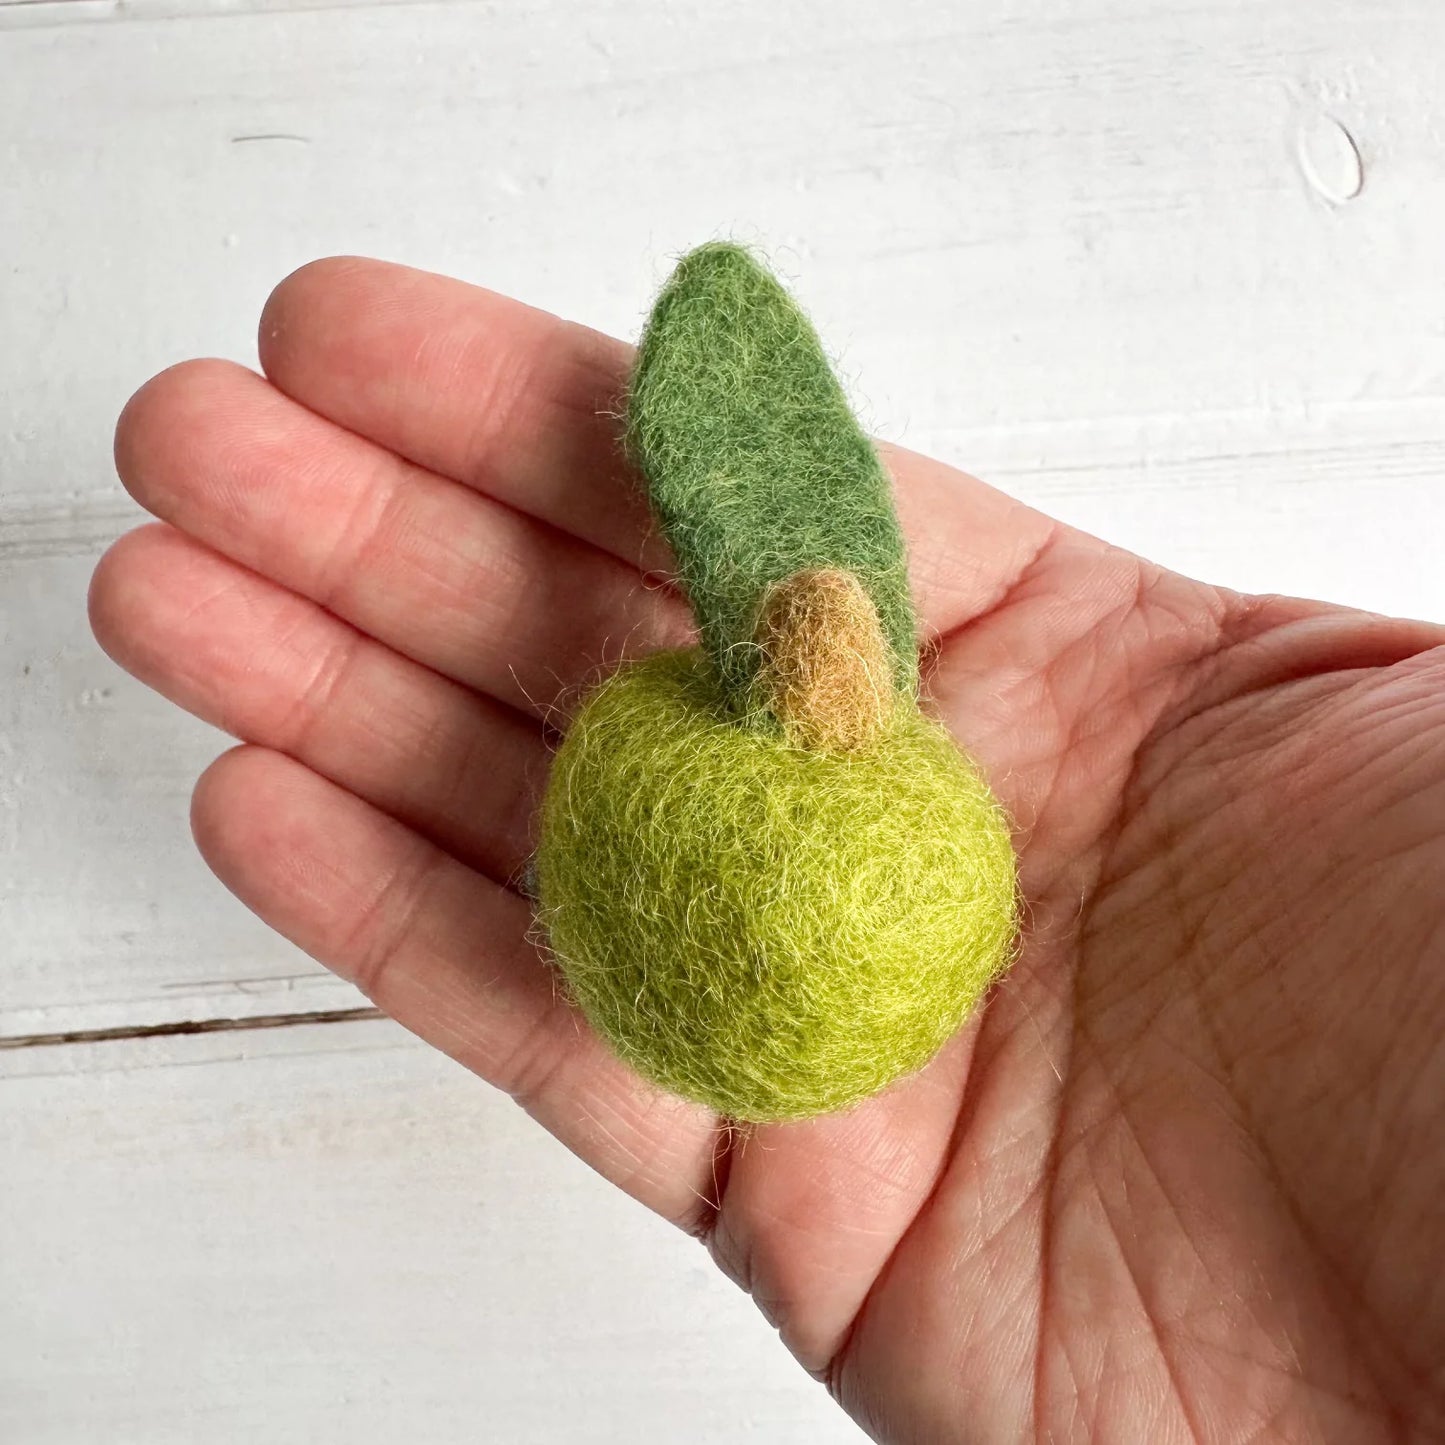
x=1182, y=1179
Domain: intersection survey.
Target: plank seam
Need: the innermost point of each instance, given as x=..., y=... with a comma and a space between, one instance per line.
x=186, y=1027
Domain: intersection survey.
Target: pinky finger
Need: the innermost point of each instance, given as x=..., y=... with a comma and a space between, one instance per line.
x=444, y=951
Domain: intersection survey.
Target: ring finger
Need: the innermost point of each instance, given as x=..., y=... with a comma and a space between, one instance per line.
x=273, y=668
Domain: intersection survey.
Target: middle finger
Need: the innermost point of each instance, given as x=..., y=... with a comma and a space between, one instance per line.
x=450, y=578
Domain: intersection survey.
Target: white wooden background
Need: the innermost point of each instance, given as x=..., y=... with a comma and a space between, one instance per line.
x=1174, y=269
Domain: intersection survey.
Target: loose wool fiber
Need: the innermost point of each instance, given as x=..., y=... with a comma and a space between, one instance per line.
x=770, y=930
x=755, y=466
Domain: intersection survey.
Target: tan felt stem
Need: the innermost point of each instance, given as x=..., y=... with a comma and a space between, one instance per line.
x=826, y=672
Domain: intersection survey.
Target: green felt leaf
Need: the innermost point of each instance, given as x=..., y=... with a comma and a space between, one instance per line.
x=755, y=465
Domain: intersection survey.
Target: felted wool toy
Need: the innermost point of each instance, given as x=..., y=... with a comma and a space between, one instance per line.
x=770, y=881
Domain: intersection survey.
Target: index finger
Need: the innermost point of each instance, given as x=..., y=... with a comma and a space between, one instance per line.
x=524, y=406
x=475, y=386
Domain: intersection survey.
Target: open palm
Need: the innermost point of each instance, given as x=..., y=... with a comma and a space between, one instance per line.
x=1182, y=1180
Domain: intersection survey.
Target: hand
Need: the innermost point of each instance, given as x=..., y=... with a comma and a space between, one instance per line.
x=1182, y=1181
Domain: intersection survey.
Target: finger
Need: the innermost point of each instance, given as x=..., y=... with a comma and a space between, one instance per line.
x=445, y=953
x=275, y=669
x=519, y=404
x=510, y=400
x=455, y=580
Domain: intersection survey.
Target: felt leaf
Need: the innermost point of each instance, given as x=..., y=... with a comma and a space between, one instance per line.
x=755, y=465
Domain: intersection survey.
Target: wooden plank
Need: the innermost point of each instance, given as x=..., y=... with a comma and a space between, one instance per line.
x=36, y=13
x=110, y=917
x=332, y=1234
x=1113, y=256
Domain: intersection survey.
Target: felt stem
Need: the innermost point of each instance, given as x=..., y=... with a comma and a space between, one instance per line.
x=825, y=665
x=756, y=467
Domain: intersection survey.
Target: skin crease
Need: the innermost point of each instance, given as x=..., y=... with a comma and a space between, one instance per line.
x=1181, y=1181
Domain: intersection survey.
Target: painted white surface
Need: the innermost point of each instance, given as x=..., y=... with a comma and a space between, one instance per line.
x=1169, y=268
x=332, y=1234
